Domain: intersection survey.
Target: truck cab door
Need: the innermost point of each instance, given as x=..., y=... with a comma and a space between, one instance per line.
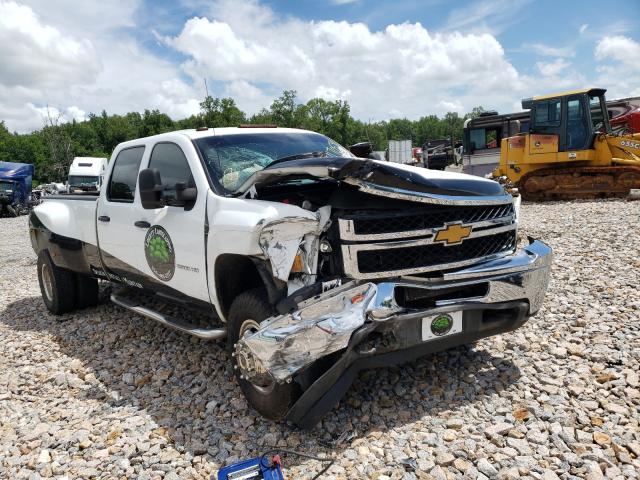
x=116, y=214
x=578, y=132
x=173, y=250
x=546, y=128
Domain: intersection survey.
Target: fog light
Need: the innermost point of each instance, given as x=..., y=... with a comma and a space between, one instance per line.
x=325, y=246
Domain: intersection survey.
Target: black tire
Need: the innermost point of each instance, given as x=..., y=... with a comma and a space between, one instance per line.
x=13, y=211
x=57, y=285
x=87, y=291
x=272, y=402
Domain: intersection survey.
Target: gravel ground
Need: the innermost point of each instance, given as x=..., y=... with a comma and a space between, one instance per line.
x=109, y=395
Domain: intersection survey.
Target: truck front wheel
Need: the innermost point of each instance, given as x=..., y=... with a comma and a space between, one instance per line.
x=57, y=285
x=272, y=400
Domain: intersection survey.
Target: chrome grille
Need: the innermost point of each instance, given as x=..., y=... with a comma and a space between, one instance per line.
x=384, y=226
x=382, y=245
x=410, y=258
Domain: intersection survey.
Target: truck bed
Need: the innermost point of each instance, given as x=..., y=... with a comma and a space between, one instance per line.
x=73, y=216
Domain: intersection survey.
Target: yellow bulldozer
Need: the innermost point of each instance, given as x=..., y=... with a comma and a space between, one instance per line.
x=570, y=150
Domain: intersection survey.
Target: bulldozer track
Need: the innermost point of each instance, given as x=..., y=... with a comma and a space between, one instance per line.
x=579, y=183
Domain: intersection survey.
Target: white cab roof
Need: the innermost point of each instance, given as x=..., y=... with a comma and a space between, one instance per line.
x=194, y=134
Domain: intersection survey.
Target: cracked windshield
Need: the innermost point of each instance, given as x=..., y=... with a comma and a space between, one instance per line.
x=232, y=159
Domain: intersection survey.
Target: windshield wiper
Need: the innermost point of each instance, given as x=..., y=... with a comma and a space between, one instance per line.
x=298, y=156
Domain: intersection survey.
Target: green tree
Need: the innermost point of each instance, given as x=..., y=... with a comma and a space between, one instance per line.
x=475, y=112
x=284, y=110
x=221, y=112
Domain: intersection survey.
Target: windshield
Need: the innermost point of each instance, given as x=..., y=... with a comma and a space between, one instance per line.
x=6, y=186
x=82, y=180
x=232, y=159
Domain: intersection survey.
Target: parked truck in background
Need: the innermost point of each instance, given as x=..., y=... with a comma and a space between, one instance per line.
x=15, y=188
x=570, y=150
x=440, y=153
x=482, y=137
x=86, y=174
x=312, y=263
x=399, y=151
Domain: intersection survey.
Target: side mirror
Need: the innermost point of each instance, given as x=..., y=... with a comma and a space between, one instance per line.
x=362, y=149
x=150, y=186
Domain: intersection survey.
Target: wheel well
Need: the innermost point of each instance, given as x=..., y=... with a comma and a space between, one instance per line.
x=234, y=275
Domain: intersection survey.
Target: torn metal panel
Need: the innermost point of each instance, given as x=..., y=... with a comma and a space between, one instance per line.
x=281, y=239
x=324, y=323
x=288, y=343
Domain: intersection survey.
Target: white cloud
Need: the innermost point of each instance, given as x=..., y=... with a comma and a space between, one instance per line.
x=402, y=68
x=583, y=28
x=75, y=113
x=619, y=70
x=549, y=51
x=86, y=17
x=619, y=48
x=486, y=15
x=33, y=54
x=451, y=105
x=97, y=67
x=81, y=57
x=551, y=69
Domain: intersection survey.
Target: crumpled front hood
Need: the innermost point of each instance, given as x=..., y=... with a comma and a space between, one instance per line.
x=379, y=178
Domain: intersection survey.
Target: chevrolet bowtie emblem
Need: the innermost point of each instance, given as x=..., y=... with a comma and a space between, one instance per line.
x=452, y=234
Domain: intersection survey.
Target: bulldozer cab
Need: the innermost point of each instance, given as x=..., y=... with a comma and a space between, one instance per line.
x=573, y=117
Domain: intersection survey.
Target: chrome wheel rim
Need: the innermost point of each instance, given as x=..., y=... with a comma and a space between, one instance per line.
x=47, y=281
x=251, y=325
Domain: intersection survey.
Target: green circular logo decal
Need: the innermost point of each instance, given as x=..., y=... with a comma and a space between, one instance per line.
x=441, y=325
x=159, y=252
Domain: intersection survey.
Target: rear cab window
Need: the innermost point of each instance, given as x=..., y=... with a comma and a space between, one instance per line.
x=124, y=176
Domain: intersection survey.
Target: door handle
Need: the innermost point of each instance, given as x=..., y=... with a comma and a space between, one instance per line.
x=142, y=224
x=104, y=218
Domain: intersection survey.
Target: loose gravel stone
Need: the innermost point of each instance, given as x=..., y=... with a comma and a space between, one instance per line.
x=101, y=393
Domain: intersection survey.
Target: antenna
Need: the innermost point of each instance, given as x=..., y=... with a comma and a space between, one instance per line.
x=206, y=89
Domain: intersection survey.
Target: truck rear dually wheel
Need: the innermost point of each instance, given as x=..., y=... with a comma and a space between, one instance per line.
x=270, y=399
x=57, y=285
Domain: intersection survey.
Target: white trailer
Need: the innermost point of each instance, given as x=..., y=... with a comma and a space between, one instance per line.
x=86, y=173
x=400, y=151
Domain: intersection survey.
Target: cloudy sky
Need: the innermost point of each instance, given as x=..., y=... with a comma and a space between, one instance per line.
x=405, y=58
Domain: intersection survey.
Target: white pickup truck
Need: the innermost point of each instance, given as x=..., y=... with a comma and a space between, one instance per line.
x=311, y=262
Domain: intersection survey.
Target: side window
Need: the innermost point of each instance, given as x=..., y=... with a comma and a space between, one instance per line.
x=478, y=138
x=172, y=164
x=548, y=114
x=574, y=111
x=124, y=177
x=484, y=138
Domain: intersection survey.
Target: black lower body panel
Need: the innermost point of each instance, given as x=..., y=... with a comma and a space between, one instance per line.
x=362, y=353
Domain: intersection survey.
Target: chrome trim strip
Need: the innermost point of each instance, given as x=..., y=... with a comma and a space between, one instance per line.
x=413, y=196
x=347, y=229
x=350, y=255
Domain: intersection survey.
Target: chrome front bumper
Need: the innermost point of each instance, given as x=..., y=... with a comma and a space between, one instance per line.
x=324, y=324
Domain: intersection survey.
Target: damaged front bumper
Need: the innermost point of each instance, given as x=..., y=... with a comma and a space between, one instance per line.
x=382, y=323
